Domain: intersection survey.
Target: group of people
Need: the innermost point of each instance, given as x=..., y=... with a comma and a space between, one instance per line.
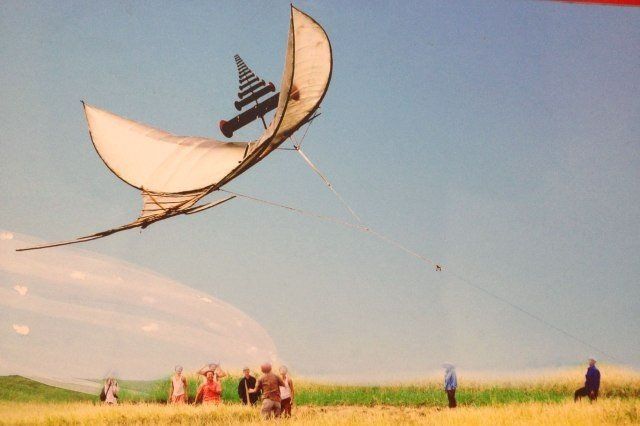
x=276, y=390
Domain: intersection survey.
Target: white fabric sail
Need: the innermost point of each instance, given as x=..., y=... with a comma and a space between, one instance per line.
x=159, y=162
x=175, y=172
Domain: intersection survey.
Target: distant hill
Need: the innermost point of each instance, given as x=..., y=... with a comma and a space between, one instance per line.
x=18, y=388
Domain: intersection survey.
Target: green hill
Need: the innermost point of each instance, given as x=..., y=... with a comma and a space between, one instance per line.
x=18, y=388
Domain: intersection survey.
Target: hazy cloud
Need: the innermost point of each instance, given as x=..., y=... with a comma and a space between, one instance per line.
x=22, y=290
x=21, y=329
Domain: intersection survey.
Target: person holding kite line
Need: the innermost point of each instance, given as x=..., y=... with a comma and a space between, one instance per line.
x=178, y=392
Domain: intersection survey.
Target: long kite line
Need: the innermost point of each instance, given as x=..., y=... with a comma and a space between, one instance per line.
x=438, y=267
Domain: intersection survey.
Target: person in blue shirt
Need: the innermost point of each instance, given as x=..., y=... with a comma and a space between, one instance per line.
x=591, y=385
x=450, y=383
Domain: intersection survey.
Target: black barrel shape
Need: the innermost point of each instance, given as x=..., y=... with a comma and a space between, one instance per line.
x=255, y=96
x=228, y=127
x=248, y=83
x=251, y=89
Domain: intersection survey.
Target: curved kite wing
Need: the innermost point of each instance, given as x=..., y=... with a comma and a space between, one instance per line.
x=154, y=160
x=158, y=162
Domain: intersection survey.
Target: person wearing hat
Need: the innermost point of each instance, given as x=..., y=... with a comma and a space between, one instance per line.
x=269, y=384
x=178, y=392
x=246, y=383
x=592, y=383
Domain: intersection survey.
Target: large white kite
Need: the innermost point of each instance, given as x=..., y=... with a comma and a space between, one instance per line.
x=175, y=172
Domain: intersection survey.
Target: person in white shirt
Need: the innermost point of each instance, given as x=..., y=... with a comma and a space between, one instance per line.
x=286, y=392
x=178, y=393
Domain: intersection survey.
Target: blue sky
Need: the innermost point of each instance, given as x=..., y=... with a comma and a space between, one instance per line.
x=501, y=139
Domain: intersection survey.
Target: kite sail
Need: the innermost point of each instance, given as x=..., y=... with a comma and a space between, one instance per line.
x=174, y=172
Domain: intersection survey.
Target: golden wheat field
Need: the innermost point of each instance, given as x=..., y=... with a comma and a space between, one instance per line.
x=612, y=411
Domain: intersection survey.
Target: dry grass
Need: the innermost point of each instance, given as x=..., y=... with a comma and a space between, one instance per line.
x=606, y=411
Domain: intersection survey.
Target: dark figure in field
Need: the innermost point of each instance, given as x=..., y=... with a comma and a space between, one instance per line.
x=450, y=383
x=246, y=383
x=591, y=385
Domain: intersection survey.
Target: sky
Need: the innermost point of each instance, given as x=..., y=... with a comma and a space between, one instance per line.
x=500, y=139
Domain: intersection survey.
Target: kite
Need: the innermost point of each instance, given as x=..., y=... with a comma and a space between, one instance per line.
x=174, y=173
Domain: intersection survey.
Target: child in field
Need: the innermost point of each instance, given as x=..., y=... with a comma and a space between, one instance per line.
x=178, y=392
x=286, y=392
x=450, y=383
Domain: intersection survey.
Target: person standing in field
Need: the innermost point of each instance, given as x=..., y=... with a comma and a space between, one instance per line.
x=591, y=385
x=269, y=384
x=286, y=392
x=450, y=383
x=246, y=383
x=178, y=392
x=210, y=392
x=109, y=394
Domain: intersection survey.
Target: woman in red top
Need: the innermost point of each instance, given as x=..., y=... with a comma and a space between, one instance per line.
x=210, y=391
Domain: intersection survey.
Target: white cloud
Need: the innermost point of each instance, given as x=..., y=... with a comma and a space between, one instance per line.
x=152, y=326
x=21, y=329
x=77, y=275
x=21, y=289
x=6, y=236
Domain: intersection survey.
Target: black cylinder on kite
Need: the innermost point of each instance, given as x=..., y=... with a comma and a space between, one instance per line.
x=251, y=90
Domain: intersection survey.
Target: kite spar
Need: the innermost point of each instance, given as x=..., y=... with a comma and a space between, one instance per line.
x=174, y=173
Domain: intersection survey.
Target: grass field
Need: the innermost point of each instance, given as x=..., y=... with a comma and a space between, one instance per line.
x=543, y=398
x=553, y=386
x=20, y=389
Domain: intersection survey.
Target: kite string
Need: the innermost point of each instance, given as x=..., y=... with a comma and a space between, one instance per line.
x=303, y=212
x=382, y=237
x=326, y=181
x=531, y=315
x=297, y=146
